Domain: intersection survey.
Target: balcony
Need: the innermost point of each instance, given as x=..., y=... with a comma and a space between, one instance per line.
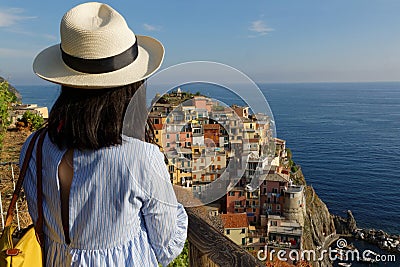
x=277, y=244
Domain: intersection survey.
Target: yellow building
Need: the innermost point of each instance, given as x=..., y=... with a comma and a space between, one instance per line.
x=236, y=227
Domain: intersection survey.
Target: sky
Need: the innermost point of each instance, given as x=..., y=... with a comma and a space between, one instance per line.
x=270, y=41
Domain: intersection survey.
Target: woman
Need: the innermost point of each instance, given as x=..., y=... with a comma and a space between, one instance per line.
x=107, y=199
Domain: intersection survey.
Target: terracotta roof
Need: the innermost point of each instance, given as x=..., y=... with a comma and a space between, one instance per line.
x=234, y=220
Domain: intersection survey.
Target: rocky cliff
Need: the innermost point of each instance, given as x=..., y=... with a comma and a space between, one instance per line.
x=321, y=228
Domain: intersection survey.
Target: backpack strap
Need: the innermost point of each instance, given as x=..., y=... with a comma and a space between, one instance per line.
x=39, y=184
x=18, y=186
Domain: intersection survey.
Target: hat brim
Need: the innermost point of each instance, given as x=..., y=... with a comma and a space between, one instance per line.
x=49, y=66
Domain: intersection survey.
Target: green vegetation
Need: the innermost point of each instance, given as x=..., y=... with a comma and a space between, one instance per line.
x=176, y=98
x=32, y=120
x=6, y=98
x=289, y=153
x=294, y=168
x=183, y=259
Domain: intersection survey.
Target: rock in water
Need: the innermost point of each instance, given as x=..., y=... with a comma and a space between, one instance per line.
x=345, y=226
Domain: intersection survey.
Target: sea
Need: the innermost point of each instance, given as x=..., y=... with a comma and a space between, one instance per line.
x=345, y=137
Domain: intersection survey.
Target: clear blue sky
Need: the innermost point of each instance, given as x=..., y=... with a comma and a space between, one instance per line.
x=271, y=41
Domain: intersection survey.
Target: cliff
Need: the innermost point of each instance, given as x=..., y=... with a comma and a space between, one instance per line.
x=321, y=228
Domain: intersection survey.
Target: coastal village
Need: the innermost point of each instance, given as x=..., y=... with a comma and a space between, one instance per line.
x=261, y=202
x=199, y=149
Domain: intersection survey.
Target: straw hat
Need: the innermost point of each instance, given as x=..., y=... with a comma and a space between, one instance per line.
x=98, y=50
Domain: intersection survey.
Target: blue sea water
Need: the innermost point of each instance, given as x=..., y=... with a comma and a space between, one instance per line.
x=346, y=137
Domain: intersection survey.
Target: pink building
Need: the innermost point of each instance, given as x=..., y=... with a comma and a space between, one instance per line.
x=185, y=139
x=272, y=193
x=199, y=102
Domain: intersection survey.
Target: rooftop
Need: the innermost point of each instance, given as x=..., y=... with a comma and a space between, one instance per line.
x=276, y=177
x=294, y=189
x=235, y=220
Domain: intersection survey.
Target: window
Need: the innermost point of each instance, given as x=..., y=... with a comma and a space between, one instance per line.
x=228, y=232
x=274, y=223
x=231, y=193
x=167, y=136
x=187, y=135
x=167, y=144
x=243, y=230
x=243, y=241
x=278, y=207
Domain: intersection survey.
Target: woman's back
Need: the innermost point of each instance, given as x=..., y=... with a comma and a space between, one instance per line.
x=122, y=209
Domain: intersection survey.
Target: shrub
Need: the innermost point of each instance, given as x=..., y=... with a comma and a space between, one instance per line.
x=32, y=120
x=182, y=259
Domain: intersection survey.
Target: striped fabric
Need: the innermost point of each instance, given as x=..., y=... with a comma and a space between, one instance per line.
x=122, y=208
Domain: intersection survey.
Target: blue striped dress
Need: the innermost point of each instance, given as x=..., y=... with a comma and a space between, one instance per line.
x=122, y=207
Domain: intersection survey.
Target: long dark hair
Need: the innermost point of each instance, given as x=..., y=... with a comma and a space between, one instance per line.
x=91, y=118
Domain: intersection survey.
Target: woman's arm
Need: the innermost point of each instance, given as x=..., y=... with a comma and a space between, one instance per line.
x=165, y=218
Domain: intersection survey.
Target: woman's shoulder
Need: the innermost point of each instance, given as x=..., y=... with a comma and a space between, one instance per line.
x=134, y=143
